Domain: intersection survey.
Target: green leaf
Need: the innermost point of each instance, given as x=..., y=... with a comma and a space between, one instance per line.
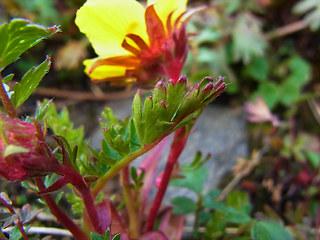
x=193, y=180
x=269, y=231
x=59, y=196
x=44, y=12
x=116, y=237
x=269, y=92
x=183, y=205
x=312, y=10
x=239, y=200
x=209, y=35
x=19, y=35
x=107, y=235
x=108, y=115
x=61, y=125
x=258, y=69
x=289, y=93
x=300, y=70
x=42, y=108
x=247, y=38
x=13, y=149
x=231, y=5
x=27, y=185
x=29, y=82
x=233, y=215
x=96, y=236
x=8, y=78
x=15, y=233
x=50, y=179
x=209, y=199
x=314, y=158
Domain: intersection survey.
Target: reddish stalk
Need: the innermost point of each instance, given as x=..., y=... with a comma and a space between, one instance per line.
x=179, y=141
x=6, y=102
x=19, y=224
x=62, y=217
x=77, y=181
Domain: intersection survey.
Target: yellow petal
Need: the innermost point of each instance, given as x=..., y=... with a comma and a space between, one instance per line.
x=107, y=22
x=103, y=71
x=165, y=7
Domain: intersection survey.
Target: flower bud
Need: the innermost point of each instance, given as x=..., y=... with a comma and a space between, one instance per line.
x=23, y=153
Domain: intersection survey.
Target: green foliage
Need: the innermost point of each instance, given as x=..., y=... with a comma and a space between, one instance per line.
x=137, y=179
x=194, y=179
x=292, y=74
x=194, y=175
x=269, y=231
x=258, y=69
x=22, y=215
x=247, y=38
x=29, y=82
x=61, y=125
x=8, y=78
x=107, y=236
x=170, y=107
x=183, y=205
x=45, y=10
x=41, y=110
x=311, y=10
x=314, y=158
x=120, y=136
x=17, y=36
x=76, y=203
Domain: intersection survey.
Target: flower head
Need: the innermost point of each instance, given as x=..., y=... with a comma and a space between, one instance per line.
x=133, y=43
x=260, y=112
x=23, y=153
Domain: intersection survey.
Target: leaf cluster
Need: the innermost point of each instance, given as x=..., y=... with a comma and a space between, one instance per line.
x=171, y=107
x=16, y=37
x=218, y=216
x=106, y=236
x=22, y=215
x=291, y=75
x=311, y=10
x=166, y=110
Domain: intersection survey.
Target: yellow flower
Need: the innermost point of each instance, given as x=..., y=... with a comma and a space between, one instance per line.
x=133, y=43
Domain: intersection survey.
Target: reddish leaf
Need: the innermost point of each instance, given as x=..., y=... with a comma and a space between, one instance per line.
x=172, y=225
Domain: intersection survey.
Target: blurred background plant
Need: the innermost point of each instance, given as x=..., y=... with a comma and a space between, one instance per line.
x=268, y=51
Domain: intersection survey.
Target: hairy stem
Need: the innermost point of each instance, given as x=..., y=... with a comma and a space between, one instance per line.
x=179, y=141
x=62, y=217
x=77, y=181
x=134, y=222
x=19, y=224
x=6, y=102
x=119, y=165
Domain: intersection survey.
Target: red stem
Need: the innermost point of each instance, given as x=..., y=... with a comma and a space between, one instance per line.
x=77, y=181
x=6, y=101
x=19, y=224
x=62, y=217
x=180, y=139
